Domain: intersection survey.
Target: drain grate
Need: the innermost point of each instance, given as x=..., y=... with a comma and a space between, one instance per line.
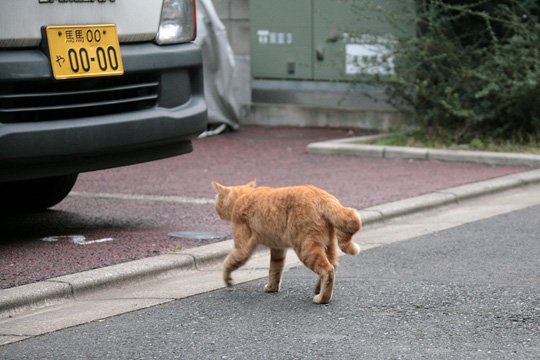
x=199, y=235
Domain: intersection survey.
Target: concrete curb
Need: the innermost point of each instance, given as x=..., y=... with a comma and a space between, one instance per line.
x=359, y=146
x=448, y=196
x=54, y=290
x=47, y=292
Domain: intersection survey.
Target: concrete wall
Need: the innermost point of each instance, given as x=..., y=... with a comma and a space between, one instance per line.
x=235, y=17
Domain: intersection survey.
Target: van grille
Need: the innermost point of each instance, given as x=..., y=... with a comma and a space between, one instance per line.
x=68, y=99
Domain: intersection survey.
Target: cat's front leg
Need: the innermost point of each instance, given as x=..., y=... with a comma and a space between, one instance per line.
x=244, y=245
x=277, y=262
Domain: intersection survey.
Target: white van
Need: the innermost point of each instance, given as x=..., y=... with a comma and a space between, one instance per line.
x=93, y=84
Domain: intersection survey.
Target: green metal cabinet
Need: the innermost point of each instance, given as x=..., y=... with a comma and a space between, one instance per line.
x=324, y=39
x=281, y=33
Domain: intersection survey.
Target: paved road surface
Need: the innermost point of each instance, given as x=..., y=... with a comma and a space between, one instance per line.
x=469, y=292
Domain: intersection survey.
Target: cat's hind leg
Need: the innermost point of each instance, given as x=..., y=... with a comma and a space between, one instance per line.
x=277, y=262
x=332, y=255
x=313, y=255
x=244, y=245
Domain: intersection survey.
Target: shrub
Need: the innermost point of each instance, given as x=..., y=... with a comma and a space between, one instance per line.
x=473, y=70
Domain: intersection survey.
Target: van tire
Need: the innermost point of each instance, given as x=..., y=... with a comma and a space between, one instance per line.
x=36, y=194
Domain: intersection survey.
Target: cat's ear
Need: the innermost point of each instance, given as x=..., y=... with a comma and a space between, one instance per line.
x=252, y=183
x=217, y=186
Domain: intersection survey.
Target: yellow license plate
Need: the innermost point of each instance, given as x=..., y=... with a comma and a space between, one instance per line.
x=78, y=51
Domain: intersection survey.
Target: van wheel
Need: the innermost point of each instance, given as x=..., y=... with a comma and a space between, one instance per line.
x=36, y=194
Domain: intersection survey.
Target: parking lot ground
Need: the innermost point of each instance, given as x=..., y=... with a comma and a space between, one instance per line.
x=127, y=213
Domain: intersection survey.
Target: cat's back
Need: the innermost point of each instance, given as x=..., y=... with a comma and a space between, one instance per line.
x=287, y=197
x=278, y=213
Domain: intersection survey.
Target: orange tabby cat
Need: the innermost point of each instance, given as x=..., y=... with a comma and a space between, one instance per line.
x=306, y=218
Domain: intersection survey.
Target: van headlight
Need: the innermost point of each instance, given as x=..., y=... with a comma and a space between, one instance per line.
x=178, y=23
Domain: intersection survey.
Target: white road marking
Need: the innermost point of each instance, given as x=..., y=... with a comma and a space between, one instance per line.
x=171, y=199
x=70, y=238
x=88, y=242
x=76, y=239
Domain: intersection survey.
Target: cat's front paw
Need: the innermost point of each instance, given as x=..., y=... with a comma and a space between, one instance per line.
x=271, y=288
x=228, y=281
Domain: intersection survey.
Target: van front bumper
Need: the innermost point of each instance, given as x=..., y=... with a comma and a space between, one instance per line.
x=50, y=147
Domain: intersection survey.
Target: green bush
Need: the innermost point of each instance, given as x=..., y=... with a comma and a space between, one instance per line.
x=473, y=70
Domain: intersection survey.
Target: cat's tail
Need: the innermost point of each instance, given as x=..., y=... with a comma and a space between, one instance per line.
x=346, y=223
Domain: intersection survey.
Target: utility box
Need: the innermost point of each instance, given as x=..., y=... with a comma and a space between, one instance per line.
x=326, y=40
x=282, y=39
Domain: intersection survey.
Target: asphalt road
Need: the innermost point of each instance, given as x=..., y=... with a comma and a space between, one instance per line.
x=469, y=292
x=128, y=213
